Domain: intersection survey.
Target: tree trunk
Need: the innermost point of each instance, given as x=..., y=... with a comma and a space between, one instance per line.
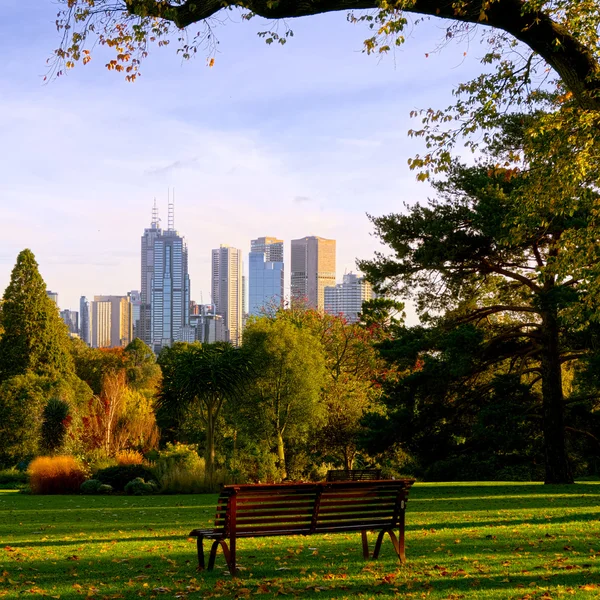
x=555, y=453
x=209, y=454
x=281, y=455
x=348, y=459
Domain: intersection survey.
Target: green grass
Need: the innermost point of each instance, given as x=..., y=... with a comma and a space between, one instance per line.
x=481, y=540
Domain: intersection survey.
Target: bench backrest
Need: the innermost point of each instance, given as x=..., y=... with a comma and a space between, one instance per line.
x=353, y=474
x=304, y=508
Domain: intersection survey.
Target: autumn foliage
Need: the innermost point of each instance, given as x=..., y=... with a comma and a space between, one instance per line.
x=129, y=457
x=55, y=475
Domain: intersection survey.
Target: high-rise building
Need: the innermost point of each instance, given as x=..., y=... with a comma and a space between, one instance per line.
x=151, y=234
x=71, y=320
x=170, y=291
x=111, y=323
x=170, y=300
x=136, y=304
x=164, y=297
x=266, y=274
x=207, y=324
x=226, y=289
x=53, y=296
x=84, y=320
x=312, y=270
x=346, y=298
x=271, y=247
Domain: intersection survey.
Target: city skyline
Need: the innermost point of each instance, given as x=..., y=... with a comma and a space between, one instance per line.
x=308, y=156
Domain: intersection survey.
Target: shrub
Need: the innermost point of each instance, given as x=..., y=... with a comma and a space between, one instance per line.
x=139, y=487
x=55, y=475
x=178, y=455
x=12, y=479
x=180, y=470
x=90, y=486
x=182, y=480
x=105, y=489
x=129, y=457
x=118, y=477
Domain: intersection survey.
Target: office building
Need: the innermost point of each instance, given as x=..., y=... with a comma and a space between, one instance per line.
x=271, y=247
x=53, y=296
x=151, y=234
x=346, y=299
x=136, y=304
x=312, y=270
x=170, y=291
x=111, y=322
x=84, y=320
x=71, y=320
x=209, y=327
x=227, y=292
x=164, y=297
x=266, y=275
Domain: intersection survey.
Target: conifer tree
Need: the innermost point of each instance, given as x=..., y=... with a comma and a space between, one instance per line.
x=34, y=340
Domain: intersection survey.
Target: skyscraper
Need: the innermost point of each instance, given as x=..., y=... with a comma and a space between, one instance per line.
x=164, y=297
x=53, y=296
x=226, y=289
x=313, y=269
x=111, y=323
x=71, y=320
x=151, y=234
x=266, y=274
x=346, y=298
x=84, y=320
x=271, y=247
x=170, y=298
x=136, y=302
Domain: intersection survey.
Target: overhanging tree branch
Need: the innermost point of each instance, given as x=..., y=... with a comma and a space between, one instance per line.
x=571, y=59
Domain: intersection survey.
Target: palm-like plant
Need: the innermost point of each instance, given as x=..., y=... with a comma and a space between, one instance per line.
x=208, y=376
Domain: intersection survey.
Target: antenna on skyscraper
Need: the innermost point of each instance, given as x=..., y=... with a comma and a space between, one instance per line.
x=155, y=219
x=171, y=201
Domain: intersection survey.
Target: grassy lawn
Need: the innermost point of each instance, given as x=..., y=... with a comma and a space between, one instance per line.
x=479, y=540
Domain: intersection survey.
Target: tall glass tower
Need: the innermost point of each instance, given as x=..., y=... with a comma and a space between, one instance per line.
x=265, y=269
x=165, y=290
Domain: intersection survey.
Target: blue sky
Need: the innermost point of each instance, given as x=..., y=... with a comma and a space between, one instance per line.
x=286, y=141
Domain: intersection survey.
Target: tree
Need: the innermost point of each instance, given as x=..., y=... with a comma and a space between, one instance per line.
x=22, y=401
x=35, y=339
x=143, y=373
x=92, y=365
x=564, y=34
x=352, y=368
x=284, y=398
x=481, y=261
x=56, y=420
x=203, y=377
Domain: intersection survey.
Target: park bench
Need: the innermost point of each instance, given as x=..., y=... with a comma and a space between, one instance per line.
x=245, y=511
x=353, y=474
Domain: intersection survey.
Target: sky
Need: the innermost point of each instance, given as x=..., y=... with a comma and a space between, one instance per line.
x=286, y=141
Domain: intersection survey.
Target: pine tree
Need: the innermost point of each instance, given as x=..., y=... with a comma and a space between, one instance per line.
x=34, y=340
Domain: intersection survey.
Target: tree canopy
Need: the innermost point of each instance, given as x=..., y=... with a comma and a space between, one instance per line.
x=502, y=286
x=35, y=339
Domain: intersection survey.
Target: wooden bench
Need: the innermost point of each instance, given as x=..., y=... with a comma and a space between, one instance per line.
x=245, y=511
x=353, y=474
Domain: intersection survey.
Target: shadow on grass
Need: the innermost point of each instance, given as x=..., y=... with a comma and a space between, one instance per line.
x=136, y=577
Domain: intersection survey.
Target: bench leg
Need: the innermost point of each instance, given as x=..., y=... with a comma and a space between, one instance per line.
x=228, y=553
x=365, y=545
x=200, y=546
x=397, y=543
x=378, y=543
